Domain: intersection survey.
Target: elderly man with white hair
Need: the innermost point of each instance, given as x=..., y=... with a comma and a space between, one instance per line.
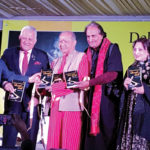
x=25, y=60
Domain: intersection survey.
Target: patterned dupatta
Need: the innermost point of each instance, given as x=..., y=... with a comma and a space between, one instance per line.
x=96, y=101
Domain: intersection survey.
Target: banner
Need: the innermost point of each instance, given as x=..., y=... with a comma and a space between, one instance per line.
x=123, y=33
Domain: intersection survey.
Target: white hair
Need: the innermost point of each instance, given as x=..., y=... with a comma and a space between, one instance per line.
x=29, y=28
x=73, y=36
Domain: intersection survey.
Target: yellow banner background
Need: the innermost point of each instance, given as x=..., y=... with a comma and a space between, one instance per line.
x=117, y=32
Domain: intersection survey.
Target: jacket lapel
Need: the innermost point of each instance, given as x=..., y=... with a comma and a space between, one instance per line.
x=16, y=60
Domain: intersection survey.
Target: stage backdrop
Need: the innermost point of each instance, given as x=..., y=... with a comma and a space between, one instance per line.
x=123, y=33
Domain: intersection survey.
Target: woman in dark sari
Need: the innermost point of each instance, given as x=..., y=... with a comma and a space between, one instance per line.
x=134, y=132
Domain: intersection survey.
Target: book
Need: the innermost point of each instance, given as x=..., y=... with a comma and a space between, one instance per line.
x=71, y=78
x=19, y=87
x=58, y=78
x=46, y=77
x=135, y=74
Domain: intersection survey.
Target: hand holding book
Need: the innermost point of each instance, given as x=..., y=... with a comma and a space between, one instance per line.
x=35, y=78
x=134, y=73
x=8, y=87
x=45, y=82
x=57, y=82
x=83, y=85
x=127, y=81
x=138, y=90
x=17, y=95
x=71, y=79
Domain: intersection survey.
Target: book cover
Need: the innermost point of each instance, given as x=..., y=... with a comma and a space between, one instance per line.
x=46, y=77
x=58, y=78
x=135, y=74
x=19, y=87
x=71, y=78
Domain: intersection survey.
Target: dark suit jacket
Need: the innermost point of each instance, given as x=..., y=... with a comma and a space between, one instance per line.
x=38, y=60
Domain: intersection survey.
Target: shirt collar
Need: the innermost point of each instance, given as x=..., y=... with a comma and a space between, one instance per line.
x=29, y=51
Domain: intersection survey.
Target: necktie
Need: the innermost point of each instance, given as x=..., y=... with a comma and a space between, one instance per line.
x=62, y=64
x=25, y=63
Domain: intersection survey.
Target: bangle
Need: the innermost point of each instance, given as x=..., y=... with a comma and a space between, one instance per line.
x=86, y=79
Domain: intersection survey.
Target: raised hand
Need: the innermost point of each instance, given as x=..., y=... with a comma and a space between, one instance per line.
x=35, y=78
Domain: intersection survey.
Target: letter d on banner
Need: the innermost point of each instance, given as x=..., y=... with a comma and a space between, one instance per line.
x=133, y=34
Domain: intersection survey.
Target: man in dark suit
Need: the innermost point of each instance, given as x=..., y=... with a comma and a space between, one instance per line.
x=24, y=60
